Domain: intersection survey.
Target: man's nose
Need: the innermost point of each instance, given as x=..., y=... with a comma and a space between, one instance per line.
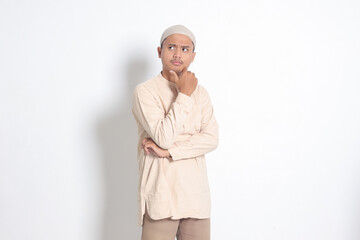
x=177, y=53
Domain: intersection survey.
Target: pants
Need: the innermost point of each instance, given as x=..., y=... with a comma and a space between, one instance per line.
x=183, y=229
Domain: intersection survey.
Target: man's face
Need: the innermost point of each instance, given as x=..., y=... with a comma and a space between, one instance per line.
x=176, y=53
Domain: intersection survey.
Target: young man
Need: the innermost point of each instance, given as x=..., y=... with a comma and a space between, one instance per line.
x=176, y=127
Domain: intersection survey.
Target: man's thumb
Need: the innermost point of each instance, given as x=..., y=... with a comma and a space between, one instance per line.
x=173, y=76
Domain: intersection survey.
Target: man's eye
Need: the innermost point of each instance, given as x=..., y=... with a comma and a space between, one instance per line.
x=172, y=47
x=185, y=49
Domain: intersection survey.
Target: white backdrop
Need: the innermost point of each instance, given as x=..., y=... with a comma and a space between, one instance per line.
x=283, y=77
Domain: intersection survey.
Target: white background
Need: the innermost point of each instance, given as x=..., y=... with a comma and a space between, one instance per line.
x=283, y=77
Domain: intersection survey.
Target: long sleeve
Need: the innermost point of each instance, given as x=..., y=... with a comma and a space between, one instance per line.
x=162, y=127
x=204, y=141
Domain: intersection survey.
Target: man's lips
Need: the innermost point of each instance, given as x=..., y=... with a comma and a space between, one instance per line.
x=176, y=62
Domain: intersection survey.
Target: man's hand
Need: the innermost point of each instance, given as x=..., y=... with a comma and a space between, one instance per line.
x=186, y=81
x=150, y=147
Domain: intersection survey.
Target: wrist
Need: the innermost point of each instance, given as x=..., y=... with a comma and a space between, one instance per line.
x=188, y=93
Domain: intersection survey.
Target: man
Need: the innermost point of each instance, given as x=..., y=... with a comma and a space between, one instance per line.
x=176, y=127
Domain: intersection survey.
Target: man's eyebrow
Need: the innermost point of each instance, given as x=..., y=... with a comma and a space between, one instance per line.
x=173, y=44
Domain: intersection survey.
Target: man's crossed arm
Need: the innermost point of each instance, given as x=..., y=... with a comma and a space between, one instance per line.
x=164, y=130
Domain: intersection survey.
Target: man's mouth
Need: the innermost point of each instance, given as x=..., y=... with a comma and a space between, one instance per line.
x=176, y=62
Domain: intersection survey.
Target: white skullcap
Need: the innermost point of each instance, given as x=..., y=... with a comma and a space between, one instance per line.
x=178, y=29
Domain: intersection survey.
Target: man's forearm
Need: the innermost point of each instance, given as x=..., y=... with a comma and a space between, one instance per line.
x=196, y=145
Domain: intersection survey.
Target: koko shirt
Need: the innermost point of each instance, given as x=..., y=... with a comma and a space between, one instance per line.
x=175, y=187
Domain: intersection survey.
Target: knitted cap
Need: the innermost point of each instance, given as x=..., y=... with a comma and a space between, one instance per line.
x=178, y=29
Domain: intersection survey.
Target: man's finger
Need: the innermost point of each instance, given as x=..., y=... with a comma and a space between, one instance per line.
x=173, y=76
x=146, y=149
x=145, y=140
x=184, y=70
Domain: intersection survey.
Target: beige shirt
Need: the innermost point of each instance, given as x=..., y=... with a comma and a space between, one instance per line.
x=174, y=187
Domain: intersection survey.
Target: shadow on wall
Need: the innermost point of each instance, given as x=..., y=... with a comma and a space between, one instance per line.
x=117, y=136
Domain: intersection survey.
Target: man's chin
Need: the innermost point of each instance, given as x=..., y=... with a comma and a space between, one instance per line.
x=178, y=70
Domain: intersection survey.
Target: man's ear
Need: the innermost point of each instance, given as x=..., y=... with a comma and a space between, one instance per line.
x=193, y=57
x=159, y=52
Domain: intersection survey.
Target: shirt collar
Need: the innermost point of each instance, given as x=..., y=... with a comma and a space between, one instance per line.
x=167, y=82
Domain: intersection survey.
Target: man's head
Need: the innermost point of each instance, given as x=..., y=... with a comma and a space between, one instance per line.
x=177, y=45
x=178, y=29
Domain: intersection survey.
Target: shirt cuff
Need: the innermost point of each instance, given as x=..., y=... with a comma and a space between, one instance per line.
x=174, y=154
x=184, y=99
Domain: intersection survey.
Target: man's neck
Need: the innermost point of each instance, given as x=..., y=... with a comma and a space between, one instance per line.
x=166, y=74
